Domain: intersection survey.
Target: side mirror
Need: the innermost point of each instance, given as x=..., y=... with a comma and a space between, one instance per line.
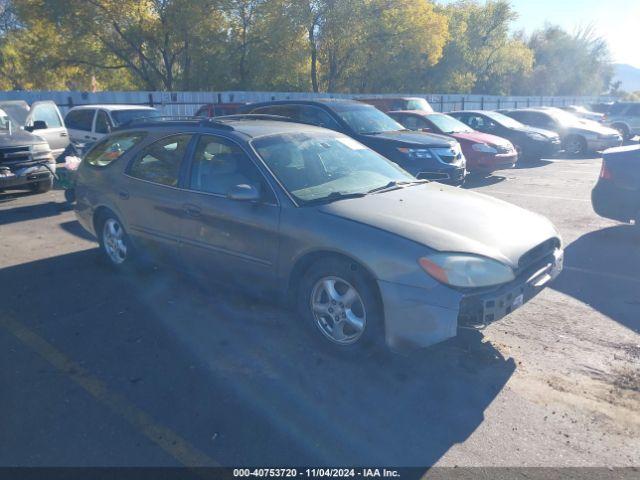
x=244, y=193
x=426, y=129
x=39, y=125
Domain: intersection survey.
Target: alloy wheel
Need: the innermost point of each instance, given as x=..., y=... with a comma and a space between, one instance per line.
x=113, y=237
x=338, y=310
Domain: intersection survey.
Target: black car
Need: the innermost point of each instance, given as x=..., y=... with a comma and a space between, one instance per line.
x=424, y=155
x=617, y=193
x=530, y=143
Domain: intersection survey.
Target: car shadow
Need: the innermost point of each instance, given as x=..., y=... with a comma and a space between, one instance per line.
x=601, y=270
x=74, y=228
x=32, y=212
x=243, y=379
x=478, y=180
x=527, y=164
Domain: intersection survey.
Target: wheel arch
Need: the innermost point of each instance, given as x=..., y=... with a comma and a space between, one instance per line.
x=304, y=262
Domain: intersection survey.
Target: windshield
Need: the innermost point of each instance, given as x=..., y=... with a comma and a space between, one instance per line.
x=125, y=116
x=16, y=111
x=504, y=120
x=562, y=117
x=367, y=119
x=448, y=124
x=419, y=104
x=315, y=167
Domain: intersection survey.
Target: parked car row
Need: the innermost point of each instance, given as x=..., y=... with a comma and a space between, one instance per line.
x=285, y=193
x=406, y=130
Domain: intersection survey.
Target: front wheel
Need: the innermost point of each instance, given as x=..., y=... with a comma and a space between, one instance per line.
x=114, y=241
x=623, y=130
x=575, y=145
x=43, y=186
x=339, y=303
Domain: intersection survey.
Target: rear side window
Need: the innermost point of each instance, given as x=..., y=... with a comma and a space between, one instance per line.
x=48, y=114
x=103, y=124
x=80, y=119
x=112, y=148
x=160, y=162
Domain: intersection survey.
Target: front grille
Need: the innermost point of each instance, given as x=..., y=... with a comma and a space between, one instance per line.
x=14, y=154
x=448, y=155
x=544, y=250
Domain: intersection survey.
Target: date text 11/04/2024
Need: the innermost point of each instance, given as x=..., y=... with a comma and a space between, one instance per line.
x=317, y=472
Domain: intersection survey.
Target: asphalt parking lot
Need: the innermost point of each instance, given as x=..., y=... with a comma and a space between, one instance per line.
x=104, y=369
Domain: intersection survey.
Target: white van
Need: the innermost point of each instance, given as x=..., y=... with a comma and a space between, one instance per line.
x=89, y=123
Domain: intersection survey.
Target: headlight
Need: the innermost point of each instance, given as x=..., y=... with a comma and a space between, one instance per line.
x=483, y=147
x=462, y=270
x=416, y=152
x=40, y=148
x=536, y=136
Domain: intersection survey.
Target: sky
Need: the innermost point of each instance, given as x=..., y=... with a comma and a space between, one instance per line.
x=618, y=21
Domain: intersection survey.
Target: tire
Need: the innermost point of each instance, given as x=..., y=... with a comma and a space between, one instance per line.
x=575, y=145
x=115, y=246
x=623, y=129
x=341, y=290
x=43, y=186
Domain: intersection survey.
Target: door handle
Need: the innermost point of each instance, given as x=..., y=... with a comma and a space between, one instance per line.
x=87, y=137
x=64, y=134
x=124, y=195
x=192, y=210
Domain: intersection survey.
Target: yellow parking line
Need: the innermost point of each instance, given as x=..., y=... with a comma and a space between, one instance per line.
x=165, y=438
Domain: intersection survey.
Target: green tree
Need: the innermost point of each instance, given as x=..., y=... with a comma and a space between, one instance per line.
x=567, y=64
x=482, y=56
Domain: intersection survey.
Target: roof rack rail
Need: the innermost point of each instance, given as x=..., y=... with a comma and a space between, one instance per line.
x=201, y=121
x=255, y=116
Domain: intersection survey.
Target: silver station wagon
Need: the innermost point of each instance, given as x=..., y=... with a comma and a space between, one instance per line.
x=365, y=253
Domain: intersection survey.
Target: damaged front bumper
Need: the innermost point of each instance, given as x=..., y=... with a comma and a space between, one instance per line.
x=416, y=318
x=12, y=176
x=480, y=309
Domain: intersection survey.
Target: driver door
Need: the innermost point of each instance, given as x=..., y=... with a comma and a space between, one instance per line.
x=56, y=133
x=222, y=237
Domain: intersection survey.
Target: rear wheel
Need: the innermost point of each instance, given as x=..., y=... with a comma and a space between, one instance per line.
x=339, y=303
x=43, y=186
x=115, y=245
x=575, y=145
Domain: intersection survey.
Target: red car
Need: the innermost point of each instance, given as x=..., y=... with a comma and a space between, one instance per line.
x=485, y=153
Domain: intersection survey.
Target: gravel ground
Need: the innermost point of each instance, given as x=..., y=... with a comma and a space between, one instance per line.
x=152, y=369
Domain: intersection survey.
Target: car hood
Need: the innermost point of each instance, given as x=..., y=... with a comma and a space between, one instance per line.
x=541, y=131
x=479, y=137
x=18, y=138
x=449, y=219
x=409, y=138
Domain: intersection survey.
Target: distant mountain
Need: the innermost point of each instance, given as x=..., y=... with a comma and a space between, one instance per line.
x=628, y=75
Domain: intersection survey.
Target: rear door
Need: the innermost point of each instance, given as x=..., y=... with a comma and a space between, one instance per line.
x=80, y=125
x=55, y=134
x=149, y=197
x=222, y=237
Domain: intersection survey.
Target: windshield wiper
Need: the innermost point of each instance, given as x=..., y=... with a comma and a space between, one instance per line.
x=394, y=185
x=334, y=196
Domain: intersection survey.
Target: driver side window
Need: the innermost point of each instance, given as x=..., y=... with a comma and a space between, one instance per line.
x=220, y=164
